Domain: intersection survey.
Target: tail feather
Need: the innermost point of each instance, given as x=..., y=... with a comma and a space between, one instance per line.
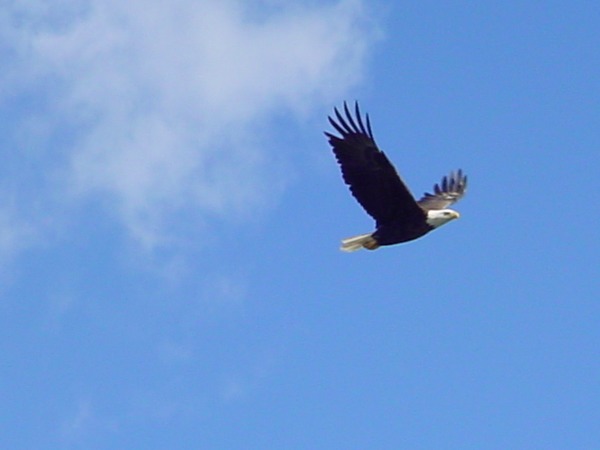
x=354, y=243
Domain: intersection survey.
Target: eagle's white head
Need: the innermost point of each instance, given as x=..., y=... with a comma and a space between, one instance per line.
x=438, y=217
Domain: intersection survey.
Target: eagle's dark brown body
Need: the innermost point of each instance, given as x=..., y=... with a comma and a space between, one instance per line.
x=399, y=231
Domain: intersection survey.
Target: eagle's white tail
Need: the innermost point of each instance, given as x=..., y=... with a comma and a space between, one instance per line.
x=357, y=242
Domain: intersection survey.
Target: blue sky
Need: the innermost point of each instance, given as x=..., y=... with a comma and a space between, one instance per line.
x=170, y=216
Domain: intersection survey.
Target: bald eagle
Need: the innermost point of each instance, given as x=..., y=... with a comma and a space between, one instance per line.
x=379, y=189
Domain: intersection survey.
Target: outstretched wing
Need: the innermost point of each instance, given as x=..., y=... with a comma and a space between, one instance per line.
x=449, y=191
x=373, y=180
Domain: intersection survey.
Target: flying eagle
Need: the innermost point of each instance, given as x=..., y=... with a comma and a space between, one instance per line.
x=376, y=185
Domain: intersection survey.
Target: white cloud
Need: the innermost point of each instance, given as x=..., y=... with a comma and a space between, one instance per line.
x=169, y=101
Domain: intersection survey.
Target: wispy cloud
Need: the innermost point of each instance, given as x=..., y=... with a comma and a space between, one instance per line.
x=77, y=424
x=16, y=233
x=165, y=104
